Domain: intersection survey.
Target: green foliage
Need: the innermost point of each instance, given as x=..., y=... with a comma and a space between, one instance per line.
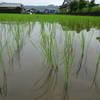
x=38, y=12
x=77, y=11
x=95, y=9
x=74, y=5
x=91, y=4
x=15, y=10
x=85, y=10
x=18, y=9
x=82, y=4
x=71, y=22
x=69, y=11
x=63, y=10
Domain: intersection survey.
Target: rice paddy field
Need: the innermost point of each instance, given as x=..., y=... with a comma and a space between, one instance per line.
x=49, y=57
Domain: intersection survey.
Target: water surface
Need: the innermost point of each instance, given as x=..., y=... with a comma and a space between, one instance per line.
x=70, y=72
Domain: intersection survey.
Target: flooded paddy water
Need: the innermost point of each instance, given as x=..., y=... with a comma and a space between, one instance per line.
x=44, y=61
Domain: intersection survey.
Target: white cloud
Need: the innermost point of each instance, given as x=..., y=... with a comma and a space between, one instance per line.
x=39, y=2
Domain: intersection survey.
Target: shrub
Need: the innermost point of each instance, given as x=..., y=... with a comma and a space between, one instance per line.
x=85, y=10
x=95, y=9
x=77, y=11
x=69, y=11
x=6, y=10
x=18, y=10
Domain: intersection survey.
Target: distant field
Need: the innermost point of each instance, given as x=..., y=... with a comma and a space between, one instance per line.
x=73, y=22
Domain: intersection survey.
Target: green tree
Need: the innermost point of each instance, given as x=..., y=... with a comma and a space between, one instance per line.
x=91, y=4
x=74, y=5
x=82, y=4
x=18, y=10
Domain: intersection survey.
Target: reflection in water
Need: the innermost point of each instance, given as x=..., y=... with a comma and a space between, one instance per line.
x=14, y=35
x=68, y=59
x=64, y=94
x=55, y=46
x=98, y=38
x=3, y=79
x=15, y=57
x=1, y=53
x=79, y=65
x=78, y=26
x=3, y=86
x=94, y=83
x=49, y=83
x=12, y=40
x=85, y=44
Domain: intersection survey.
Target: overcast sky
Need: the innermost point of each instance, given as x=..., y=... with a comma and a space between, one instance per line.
x=39, y=2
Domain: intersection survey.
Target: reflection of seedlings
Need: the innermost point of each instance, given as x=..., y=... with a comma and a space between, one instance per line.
x=94, y=83
x=95, y=76
x=30, y=27
x=78, y=24
x=98, y=38
x=79, y=65
x=49, y=82
x=3, y=89
x=64, y=93
x=2, y=61
x=84, y=54
x=88, y=44
x=19, y=38
x=1, y=57
x=63, y=26
x=10, y=54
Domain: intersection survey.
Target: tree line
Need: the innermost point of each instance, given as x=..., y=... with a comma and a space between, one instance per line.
x=82, y=5
x=14, y=10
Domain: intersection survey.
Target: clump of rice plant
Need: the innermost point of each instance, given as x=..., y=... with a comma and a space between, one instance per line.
x=49, y=47
x=1, y=52
x=82, y=43
x=68, y=55
x=85, y=44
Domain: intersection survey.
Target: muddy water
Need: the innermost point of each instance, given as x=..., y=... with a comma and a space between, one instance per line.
x=27, y=75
